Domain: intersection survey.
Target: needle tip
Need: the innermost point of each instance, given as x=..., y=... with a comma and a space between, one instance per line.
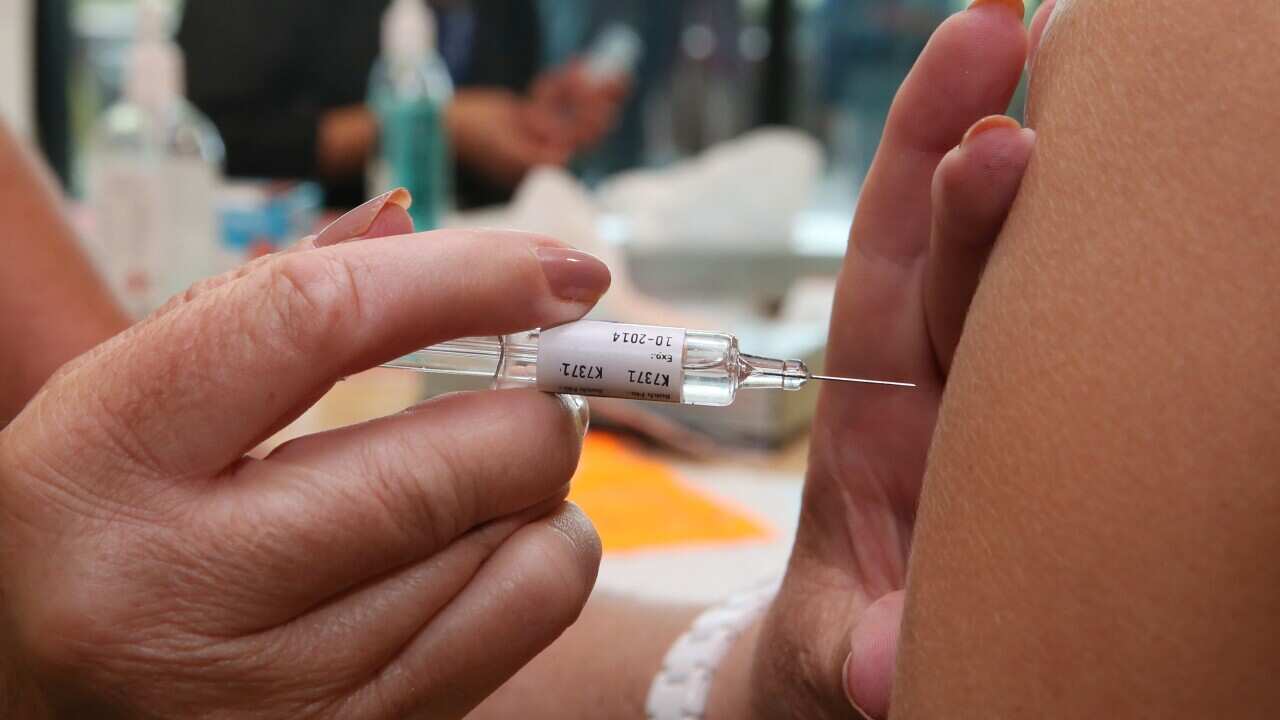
x=864, y=381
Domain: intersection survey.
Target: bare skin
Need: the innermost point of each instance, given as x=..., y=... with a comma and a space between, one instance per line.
x=347, y=137
x=49, y=322
x=1097, y=532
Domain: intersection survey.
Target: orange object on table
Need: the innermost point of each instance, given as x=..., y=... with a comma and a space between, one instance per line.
x=639, y=503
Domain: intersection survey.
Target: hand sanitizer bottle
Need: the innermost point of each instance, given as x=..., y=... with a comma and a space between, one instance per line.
x=410, y=91
x=153, y=172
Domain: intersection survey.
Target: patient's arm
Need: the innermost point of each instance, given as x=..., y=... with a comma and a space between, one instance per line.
x=1100, y=529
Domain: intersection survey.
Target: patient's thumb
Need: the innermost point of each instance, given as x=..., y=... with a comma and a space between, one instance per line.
x=873, y=652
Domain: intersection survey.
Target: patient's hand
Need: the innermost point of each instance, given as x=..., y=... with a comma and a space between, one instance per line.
x=934, y=202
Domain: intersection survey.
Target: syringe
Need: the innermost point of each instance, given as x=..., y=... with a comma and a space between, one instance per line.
x=636, y=362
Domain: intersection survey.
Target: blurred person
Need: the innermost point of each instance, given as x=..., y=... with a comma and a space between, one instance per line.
x=574, y=24
x=286, y=83
x=1085, y=513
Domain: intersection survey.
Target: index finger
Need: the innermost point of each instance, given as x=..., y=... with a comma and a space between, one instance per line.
x=191, y=391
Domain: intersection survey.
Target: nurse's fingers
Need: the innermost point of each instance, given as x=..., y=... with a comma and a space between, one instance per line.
x=364, y=629
x=969, y=70
x=523, y=597
x=355, y=503
x=383, y=216
x=198, y=387
x=973, y=191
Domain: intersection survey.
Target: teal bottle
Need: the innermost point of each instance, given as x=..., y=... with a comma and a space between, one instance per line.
x=410, y=91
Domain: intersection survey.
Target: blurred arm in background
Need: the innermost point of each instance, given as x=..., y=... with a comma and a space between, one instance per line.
x=53, y=306
x=286, y=83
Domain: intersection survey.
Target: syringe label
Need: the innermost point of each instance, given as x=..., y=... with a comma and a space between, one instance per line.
x=603, y=359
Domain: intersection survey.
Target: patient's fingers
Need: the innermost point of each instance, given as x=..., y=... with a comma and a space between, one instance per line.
x=973, y=190
x=969, y=70
x=1038, y=27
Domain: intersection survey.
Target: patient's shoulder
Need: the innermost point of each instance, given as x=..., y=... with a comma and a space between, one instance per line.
x=1199, y=52
x=1105, y=458
x=1155, y=100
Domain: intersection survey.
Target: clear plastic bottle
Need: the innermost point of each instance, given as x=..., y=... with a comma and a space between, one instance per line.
x=154, y=168
x=410, y=91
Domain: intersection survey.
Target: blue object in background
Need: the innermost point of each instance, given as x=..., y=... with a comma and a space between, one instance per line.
x=262, y=217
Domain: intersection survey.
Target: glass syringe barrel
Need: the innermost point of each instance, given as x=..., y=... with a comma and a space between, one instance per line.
x=615, y=360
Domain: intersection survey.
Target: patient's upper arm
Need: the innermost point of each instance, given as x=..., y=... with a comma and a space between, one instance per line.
x=1100, y=531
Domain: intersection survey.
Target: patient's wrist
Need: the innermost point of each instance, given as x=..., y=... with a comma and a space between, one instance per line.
x=730, y=697
x=706, y=674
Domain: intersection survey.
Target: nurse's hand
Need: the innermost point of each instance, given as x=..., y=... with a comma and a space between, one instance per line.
x=580, y=109
x=404, y=567
x=502, y=136
x=936, y=198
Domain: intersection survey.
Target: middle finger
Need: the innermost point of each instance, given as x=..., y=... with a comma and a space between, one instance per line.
x=327, y=512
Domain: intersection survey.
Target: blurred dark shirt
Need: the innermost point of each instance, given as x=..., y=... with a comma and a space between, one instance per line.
x=265, y=71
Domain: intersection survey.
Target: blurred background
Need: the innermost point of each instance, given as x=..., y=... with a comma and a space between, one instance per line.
x=710, y=69
x=711, y=151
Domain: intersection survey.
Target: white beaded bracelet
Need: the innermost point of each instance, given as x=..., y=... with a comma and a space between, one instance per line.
x=681, y=688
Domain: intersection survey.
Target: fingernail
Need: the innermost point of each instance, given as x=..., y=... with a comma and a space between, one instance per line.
x=357, y=222
x=579, y=411
x=1014, y=5
x=848, y=694
x=992, y=122
x=573, y=275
